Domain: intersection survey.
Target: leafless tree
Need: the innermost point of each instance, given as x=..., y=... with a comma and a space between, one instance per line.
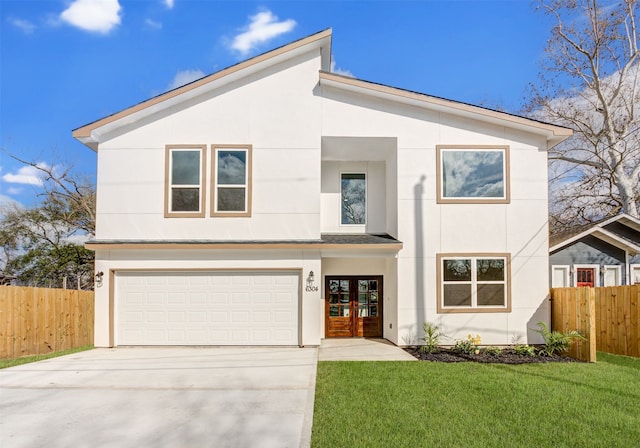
x=73, y=197
x=589, y=82
x=43, y=245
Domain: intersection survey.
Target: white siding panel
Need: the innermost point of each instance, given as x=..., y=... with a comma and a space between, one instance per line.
x=206, y=308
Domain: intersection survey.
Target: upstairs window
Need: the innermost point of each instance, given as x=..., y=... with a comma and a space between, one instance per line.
x=184, y=174
x=473, y=283
x=473, y=174
x=354, y=198
x=231, y=180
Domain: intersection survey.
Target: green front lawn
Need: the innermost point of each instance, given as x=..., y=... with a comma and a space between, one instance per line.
x=420, y=404
x=11, y=362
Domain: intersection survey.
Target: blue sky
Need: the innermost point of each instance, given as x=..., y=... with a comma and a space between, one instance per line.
x=65, y=63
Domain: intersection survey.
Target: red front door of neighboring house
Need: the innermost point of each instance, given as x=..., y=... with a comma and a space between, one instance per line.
x=585, y=277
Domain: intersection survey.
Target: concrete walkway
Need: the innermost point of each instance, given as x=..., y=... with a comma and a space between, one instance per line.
x=360, y=349
x=172, y=397
x=161, y=397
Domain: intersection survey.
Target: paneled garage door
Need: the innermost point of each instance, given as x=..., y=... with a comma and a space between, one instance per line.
x=206, y=308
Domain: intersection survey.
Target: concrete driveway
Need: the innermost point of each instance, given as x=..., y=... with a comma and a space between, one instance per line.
x=161, y=397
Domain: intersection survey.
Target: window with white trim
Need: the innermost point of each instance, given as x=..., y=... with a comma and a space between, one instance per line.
x=184, y=173
x=353, y=187
x=635, y=274
x=612, y=275
x=560, y=276
x=473, y=283
x=231, y=190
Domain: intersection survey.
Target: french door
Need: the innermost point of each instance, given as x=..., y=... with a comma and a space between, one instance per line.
x=353, y=306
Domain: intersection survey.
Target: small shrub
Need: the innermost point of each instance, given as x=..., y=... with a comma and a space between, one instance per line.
x=468, y=346
x=493, y=351
x=432, y=336
x=524, y=350
x=556, y=341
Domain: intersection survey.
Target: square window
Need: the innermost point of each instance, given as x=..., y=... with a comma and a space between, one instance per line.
x=457, y=295
x=184, y=173
x=473, y=174
x=471, y=284
x=185, y=199
x=231, y=180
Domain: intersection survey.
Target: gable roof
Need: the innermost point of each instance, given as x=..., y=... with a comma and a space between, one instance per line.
x=554, y=134
x=600, y=231
x=90, y=134
x=93, y=133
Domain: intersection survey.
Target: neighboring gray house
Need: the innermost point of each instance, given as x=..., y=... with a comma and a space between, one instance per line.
x=606, y=253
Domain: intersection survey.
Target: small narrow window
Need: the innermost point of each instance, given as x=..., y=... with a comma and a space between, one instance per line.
x=635, y=275
x=612, y=275
x=560, y=276
x=184, y=173
x=231, y=180
x=354, y=198
x=473, y=283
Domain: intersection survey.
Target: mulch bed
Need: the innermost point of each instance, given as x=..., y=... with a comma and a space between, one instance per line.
x=506, y=356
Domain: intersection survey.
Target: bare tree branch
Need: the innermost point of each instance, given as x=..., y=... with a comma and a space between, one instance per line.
x=589, y=82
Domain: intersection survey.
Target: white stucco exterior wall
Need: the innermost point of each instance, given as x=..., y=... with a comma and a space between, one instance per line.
x=275, y=111
x=284, y=114
x=427, y=228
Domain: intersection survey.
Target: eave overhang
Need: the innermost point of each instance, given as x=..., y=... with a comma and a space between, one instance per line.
x=365, y=243
x=553, y=134
x=94, y=133
x=603, y=235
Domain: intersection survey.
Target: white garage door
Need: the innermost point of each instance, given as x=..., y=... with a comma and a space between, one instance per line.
x=206, y=308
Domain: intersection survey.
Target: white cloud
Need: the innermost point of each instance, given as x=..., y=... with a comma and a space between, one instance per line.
x=27, y=175
x=24, y=25
x=339, y=71
x=153, y=24
x=99, y=16
x=169, y=3
x=263, y=26
x=7, y=202
x=185, y=77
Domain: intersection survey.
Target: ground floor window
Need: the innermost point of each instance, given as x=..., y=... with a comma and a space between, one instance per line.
x=560, y=276
x=612, y=276
x=473, y=283
x=635, y=274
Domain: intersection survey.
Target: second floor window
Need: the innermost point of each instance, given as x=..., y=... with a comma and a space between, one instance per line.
x=185, y=179
x=231, y=181
x=354, y=198
x=473, y=174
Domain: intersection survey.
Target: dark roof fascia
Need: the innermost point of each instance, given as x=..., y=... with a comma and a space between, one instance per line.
x=564, y=239
x=362, y=241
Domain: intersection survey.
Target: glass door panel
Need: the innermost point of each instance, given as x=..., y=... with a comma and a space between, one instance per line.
x=353, y=307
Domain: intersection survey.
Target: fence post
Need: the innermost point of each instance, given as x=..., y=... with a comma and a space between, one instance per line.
x=574, y=309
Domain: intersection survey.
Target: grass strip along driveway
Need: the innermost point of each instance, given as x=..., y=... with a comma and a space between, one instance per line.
x=416, y=404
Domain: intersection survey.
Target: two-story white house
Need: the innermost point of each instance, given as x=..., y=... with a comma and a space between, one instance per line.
x=277, y=203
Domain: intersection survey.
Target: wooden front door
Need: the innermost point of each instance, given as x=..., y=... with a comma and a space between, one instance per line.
x=585, y=277
x=353, y=306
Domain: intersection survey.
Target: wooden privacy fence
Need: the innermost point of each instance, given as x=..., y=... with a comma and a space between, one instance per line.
x=609, y=317
x=36, y=321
